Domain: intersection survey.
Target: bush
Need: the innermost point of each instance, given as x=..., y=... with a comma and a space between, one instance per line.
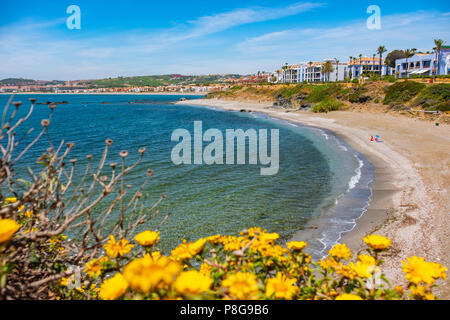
x=324, y=92
x=401, y=92
x=356, y=93
x=389, y=78
x=355, y=80
x=327, y=105
x=289, y=91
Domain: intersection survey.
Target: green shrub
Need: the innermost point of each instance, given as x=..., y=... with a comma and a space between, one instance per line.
x=401, y=92
x=389, y=78
x=355, y=93
x=356, y=80
x=321, y=93
x=327, y=105
x=289, y=92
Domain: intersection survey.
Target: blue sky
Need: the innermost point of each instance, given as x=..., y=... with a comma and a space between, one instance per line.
x=203, y=37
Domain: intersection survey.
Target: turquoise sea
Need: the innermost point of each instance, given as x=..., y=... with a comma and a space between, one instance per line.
x=322, y=184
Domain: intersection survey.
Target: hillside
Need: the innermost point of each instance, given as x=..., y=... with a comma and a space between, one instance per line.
x=157, y=80
x=400, y=97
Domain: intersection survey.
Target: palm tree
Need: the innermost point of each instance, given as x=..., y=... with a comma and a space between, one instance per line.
x=310, y=71
x=380, y=51
x=408, y=54
x=337, y=68
x=327, y=68
x=360, y=64
x=373, y=63
x=438, y=43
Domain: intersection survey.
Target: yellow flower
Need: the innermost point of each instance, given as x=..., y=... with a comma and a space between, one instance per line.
x=269, y=237
x=296, y=245
x=7, y=229
x=377, y=242
x=429, y=296
x=154, y=255
x=365, y=259
x=328, y=263
x=192, y=283
x=145, y=274
x=214, y=239
x=346, y=296
x=340, y=251
x=362, y=270
x=187, y=250
x=28, y=213
x=281, y=286
x=114, y=288
x=95, y=266
x=205, y=269
x=231, y=243
x=418, y=291
x=418, y=270
x=254, y=231
x=241, y=285
x=399, y=289
x=11, y=200
x=120, y=248
x=147, y=238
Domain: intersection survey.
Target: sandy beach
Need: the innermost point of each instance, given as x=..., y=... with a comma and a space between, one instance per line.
x=410, y=202
x=114, y=93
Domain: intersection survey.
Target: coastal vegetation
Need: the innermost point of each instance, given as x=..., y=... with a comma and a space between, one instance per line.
x=392, y=93
x=55, y=244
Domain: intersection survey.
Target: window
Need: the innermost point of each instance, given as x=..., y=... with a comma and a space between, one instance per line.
x=427, y=63
x=411, y=65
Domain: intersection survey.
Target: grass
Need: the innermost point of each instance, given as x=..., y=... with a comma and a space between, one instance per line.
x=436, y=97
x=402, y=91
x=327, y=105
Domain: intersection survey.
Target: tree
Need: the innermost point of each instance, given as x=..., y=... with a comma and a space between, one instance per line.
x=373, y=62
x=337, y=68
x=327, y=68
x=392, y=56
x=438, y=43
x=360, y=64
x=380, y=51
x=408, y=54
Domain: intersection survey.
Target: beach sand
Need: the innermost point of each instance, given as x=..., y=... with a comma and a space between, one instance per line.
x=410, y=202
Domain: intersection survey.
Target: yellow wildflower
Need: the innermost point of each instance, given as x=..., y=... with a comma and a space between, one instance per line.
x=268, y=237
x=377, y=242
x=340, y=251
x=192, y=283
x=241, y=285
x=346, y=296
x=418, y=270
x=254, y=231
x=154, y=255
x=281, y=287
x=296, y=245
x=362, y=270
x=114, y=288
x=399, y=289
x=214, y=239
x=187, y=250
x=120, y=248
x=418, y=290
x=205, y=269
x=365, y=259
x=95, y=266
x=11, y=200
x=144, y=274
x=147, y=238
x=7, y=229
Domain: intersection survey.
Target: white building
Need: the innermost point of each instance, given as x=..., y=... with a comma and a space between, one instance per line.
x=309, y=72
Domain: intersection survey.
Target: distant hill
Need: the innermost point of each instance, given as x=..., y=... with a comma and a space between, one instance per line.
x=158, y=80
x=27, y=82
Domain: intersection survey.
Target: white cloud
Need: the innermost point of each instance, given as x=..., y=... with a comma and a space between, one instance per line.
x=412, y=30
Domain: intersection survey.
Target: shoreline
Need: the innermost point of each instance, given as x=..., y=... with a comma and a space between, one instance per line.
x=408, y=202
